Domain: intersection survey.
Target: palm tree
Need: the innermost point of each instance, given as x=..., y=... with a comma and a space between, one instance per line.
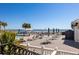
x=4, y=24
x=26, y=25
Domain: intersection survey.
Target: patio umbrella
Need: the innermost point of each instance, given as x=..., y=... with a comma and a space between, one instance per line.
x=48, y=31
x=53, y=30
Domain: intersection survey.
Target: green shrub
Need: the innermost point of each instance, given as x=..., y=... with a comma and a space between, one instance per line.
x=17, y=42
x=7, y=37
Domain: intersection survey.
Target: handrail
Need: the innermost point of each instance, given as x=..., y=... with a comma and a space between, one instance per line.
x=16, y=50
x=35, y=50
x=41, y=50
x=61, y=52
x=67, y=51
x=49, y=49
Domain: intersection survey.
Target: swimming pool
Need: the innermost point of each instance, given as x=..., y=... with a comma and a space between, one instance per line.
x=19, y=37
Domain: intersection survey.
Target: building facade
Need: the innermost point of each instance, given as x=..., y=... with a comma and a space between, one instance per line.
x=75, y=27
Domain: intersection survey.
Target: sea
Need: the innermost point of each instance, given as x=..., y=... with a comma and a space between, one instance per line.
x=37, y=30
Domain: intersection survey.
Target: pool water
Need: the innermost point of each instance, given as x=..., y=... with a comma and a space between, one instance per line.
x=19, y=37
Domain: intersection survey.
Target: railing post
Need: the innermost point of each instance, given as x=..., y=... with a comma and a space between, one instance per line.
x=42, y=50
x=55, y=51
x=2, y=50
x=27, y=45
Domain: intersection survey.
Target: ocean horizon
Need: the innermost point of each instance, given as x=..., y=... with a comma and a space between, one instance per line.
x=37, y=30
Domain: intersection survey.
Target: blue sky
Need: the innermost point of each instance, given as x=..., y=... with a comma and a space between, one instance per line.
x=40, y=16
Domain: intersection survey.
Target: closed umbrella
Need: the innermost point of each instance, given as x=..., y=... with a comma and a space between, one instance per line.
x=48, y=31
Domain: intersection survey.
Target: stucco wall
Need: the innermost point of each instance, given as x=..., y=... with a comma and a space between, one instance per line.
x=76, y=35
x=75, y=27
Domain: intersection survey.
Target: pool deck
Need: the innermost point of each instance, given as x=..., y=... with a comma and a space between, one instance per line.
x=65, y=45
x=60, y=44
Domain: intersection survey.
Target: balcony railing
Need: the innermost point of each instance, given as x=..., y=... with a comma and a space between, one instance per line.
x=61, y=52
x=15, y=50
x=48, y=51
x=41, y=50
x=32, y=50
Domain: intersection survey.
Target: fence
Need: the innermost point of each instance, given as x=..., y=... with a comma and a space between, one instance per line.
x=15, y=50
x=61, y=52
x=47, y=51
x=32, y=50
x=41, y=50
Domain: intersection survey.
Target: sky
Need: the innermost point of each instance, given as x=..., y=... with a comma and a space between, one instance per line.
x=39, y=15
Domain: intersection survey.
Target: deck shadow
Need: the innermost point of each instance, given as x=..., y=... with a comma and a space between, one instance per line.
x=72, y=43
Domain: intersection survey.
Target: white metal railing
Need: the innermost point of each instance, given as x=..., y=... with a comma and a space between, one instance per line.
x=41, y=50
x=48, y=51
x=61, y=52
x=54, y=52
